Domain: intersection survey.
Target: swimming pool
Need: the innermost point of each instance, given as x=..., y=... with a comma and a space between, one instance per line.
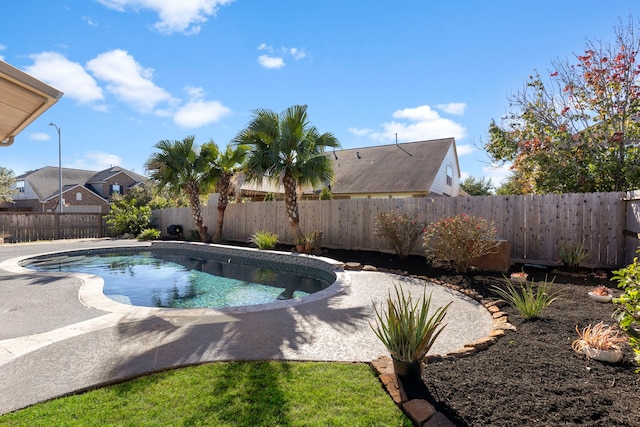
x=182, y=275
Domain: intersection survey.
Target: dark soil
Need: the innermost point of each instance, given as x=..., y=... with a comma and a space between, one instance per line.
x=530, y=376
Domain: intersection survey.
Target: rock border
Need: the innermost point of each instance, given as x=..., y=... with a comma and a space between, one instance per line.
x=420, y=411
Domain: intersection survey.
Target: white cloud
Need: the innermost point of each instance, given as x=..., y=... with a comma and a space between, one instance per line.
x=185, y=16
x=360, y=132
x=89, y=21
x=498, y=173
x=96, y=160
x=270, y=61
x=2, y=47
x=128, y=80
x=297, y=53
x=456, y=108
x=40, y=136
x=464, y=149
x=198, y=112
x=67, y=76
x=415, y=124
x=275, y=58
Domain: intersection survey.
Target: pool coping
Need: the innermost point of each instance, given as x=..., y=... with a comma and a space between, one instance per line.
x=91, y=291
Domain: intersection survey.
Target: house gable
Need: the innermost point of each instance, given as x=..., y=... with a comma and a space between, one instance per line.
x=397, y=170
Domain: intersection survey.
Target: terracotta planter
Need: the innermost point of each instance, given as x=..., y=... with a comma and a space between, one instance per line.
x=521, y=279
x=611, y=356
x=600, y=298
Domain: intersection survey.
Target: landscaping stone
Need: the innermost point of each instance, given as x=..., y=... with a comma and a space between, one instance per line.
x=419, y=410
x=438, y=420
x=353, y=266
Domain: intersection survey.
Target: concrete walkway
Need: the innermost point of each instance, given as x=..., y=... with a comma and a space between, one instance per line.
x=53, y=342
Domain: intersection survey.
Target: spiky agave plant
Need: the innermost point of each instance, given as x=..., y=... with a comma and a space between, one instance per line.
x=405, y=326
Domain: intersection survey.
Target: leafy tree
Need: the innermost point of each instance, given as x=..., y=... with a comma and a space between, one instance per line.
x=127, y=217
x=6, y=180
x=579, y=132
x=226, y=165
x=287, y=149
x=477, y=186
x=183, y=166
x=514, y=184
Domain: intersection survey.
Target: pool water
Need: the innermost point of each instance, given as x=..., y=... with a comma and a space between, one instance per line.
x=160, y=279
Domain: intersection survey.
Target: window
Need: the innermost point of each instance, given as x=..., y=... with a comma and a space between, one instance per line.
x=449, y=176
x=20, y=186
x=115, y=189
x=78, y=196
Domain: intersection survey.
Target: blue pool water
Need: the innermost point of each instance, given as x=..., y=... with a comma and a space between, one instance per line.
x=162, y=279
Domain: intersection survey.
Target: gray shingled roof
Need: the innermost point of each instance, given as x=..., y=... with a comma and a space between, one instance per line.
x=45, y=184
x=44, y=181
x=398, y=168
x=114, y=170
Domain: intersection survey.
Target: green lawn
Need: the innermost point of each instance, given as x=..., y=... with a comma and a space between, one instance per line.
x=229, y=394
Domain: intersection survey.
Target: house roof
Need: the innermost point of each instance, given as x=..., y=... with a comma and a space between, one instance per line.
x=106, y=174
x=396, y=168
x=45, y=184
x=22, y=100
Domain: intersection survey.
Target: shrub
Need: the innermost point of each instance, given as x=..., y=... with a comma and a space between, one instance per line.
x=264, y=239
x=325, y=194
x=149, y=234
x=529, y=303
x=628, y=304
x=405, y=328
x=126, y=218
x=399, y=230
x=459, y=240
x=572, y=254
x=269, y=197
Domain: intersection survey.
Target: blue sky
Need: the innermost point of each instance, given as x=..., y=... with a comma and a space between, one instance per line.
x=135, y=72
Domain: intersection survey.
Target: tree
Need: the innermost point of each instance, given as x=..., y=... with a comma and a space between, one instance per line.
x=286, y=149
x=226, y=165
x=579, y=132
x=477, y=186
x=126, y=216
x=182, y=166
x=6, y=180
x=513, y=185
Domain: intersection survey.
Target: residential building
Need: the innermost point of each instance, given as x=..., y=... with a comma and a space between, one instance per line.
x=82, y=190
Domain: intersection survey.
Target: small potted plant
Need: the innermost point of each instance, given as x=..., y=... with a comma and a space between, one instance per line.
x=519, y=276
x=600, y=342
x=601, y=294
x=408, y=331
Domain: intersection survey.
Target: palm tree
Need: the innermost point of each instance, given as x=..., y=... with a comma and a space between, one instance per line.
x=182, y=166
x=227, y=165
x=288, y=150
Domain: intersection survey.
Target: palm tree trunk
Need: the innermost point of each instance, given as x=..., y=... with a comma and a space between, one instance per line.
x=196, y=210
x=291, y=204
x=223, y=200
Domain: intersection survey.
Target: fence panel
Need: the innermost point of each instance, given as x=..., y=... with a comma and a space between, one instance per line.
x=535, y=225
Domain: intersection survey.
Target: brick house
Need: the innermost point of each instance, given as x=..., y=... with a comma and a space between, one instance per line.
x=82, y=190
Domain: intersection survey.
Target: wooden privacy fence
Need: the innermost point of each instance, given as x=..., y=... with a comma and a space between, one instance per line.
x=29, y=227
x=535, y=225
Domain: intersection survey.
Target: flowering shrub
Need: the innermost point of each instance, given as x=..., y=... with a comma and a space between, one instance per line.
x=459, y=240
x=399, y=230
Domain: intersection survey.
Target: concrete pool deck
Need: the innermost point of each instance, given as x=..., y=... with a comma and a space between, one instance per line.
x=53, y=343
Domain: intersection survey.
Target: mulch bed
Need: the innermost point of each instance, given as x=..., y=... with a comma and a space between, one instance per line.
x=531, y=376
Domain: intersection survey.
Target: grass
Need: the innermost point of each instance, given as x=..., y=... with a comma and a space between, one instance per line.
x=229, y=394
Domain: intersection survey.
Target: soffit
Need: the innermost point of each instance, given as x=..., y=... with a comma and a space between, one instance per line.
x=22, y=100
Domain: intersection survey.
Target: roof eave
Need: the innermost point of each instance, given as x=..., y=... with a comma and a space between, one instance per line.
x=25, y=86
